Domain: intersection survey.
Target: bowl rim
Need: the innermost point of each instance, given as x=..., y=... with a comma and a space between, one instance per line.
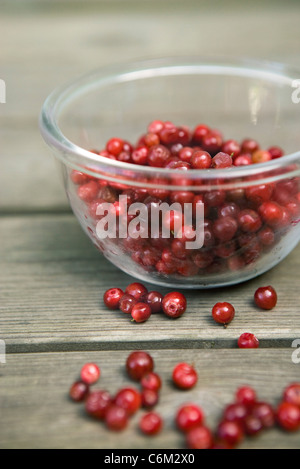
x=117, y=73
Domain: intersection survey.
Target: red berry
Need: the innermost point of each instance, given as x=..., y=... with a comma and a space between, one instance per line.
x=115, y=146
x=184, y=376
x=292, y=394
x=265, y=413
x=97, y=404
x=88, y=192
x=222, y=161
x=212, y=142
x=140, y=155
x=243, y=160
x=272, y=213
x=141, y=312
x=151, y=424
x=151, y=381
x=112, y=298
x=249, y=221
x=252, y=425
x=288, y=417
x=199, y=438
x=248, y=340
x=266, y=298
x=138, y=364
x=79, y=178
x=225, y=228
x=259, y=194
x=276, y=152
x=201, y=160
x=79, y=391
x=200, y=132
x=223, y=313
x=246, y=395
x=235, y=413
x=129, y=399
x=230, y=433
x=149, y=398
x=137, y=290
x=158, y=155
x=249, y=146
x=261, y=156
x=116, y=418
x=154, y=300
x=90, y=373
x=127, y=303
x=174, y=305
x=232, y=148
x=188, y=417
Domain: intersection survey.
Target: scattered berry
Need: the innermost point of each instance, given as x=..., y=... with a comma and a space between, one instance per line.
x=266, y=298
x=188, y=417
x=248, y=340
x=97, y=404
x=174, y=305
x=79, y=391
x=139, y=364
x=223, y=313
x=90, y=373
x=151, y=424
x=185, y=376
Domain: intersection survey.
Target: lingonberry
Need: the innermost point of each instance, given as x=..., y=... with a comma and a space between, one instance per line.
x=230, y=433
x=200, y=132
x=252, y=425
x=129, y=399
x=261, y=156
x=222, y=161
x=154, y=300
x=184, y=376
x=127, y=303
x=271, y=213
x=266, y=236
x=151, y=381
x=249, y=146
x=201, y=160
x=223, y=313
x=275, y=152
x=212, y=143
x=141, y=312
x=229, y=209
x=138, y=364
x=265, y=413
x=116, y=418
x=78, y=177
x=232, y=148
x=246, y=395
x=89, y=191
x=248, y=340
x=137, y=290
x=115, y=146
x=79, y=391
x=158, y=155
x=266, y=297
x=225, y=228
x=151, y=424
x=112, y=298
x=259, y=194
x=98, y=403
x=243, y=160
x=90, y=373
x=140, y=155
x=149, y=398
x=186, y=153
x=235, y=413
x=188, y=417
x=288, y=416
x=292, y=394
x=249, y=221
x=174, y=305
x=200, y=438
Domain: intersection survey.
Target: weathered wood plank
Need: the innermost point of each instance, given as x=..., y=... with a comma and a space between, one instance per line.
x=36, y=411
x=35, y=59
x=52, y=282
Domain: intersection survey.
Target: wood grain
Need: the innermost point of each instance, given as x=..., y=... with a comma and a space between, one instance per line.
x=53, y=281
x=36, y=411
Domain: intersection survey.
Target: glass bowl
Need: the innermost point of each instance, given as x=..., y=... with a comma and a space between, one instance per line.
x=244, y=99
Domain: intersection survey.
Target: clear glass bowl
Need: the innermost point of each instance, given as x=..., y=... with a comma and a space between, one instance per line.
x=243, y=99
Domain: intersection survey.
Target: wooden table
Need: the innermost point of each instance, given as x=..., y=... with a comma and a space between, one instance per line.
x=52, y=279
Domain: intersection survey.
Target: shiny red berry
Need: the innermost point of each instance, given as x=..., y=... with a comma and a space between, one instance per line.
x=138, y=364
x=149, y=398
x=90, y=373
x=151, y=381
x=154, y=300
x=246, y=395
x=141, y=312
x=127, y=302
x=292, y=394
x=79, y=391
x=288, y=417
x=151, y=424
x=112, y=298
x=266, y=298
x=230, y=433
x=137, y=290
x=222, y=161
x=116, y=418
x=265, y=413
x=223, y=313
x=199, y=438
x=248, y=340
x=184, y=376
x=129, y=399
x=98, y=403
x=174, y=305
x=188, y=417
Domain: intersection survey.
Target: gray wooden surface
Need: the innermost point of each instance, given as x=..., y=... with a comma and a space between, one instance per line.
x=52, y=280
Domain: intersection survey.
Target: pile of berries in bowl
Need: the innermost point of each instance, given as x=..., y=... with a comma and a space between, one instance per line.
x=227, y=208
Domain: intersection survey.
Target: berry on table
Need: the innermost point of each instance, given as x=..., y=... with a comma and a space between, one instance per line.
x=184, y=376
x=200, y=438
x=90, y=373
x=137, y=290
x=116, y=418
x=151, y=381
x=149, y=398
x=292, y=394
x=139, y=364
x=266, y=298
x=223, y=313
x=246, y=395
x=141, y=312
x=129, y=399
x=188, y=417
x=79, y=391
x=112, y=298
x=288, y=416
x=174, y=305
x=151, y=424
x=97, y=404
x=248, y=340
